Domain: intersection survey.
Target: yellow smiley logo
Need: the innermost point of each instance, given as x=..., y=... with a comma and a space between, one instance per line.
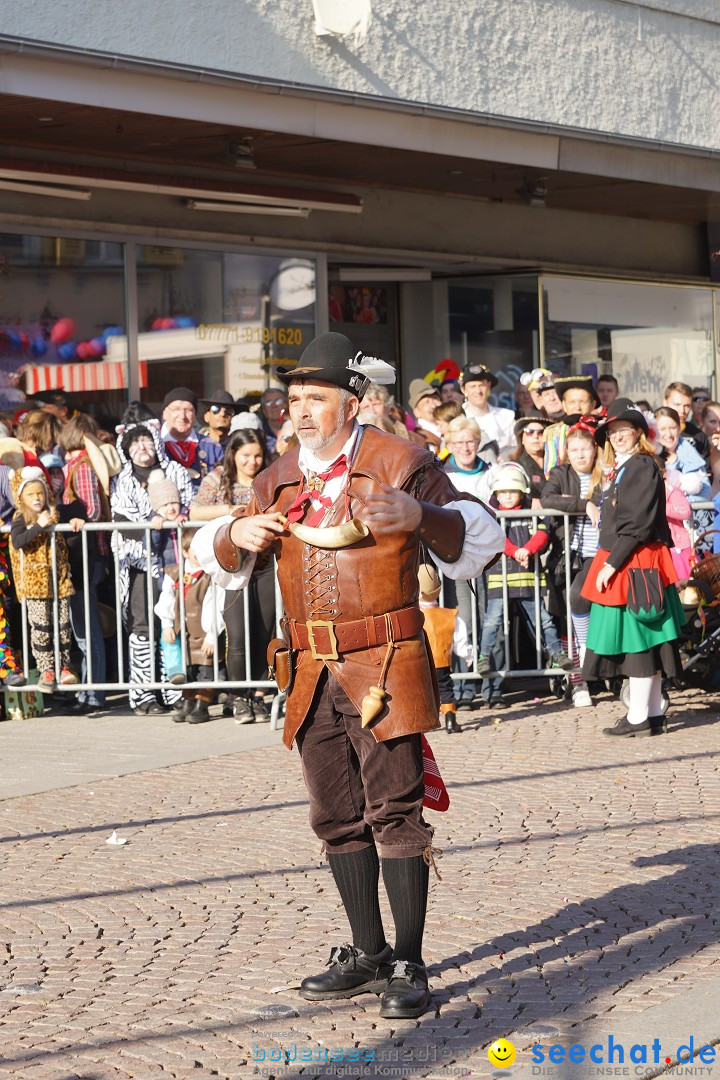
x=501, y=1053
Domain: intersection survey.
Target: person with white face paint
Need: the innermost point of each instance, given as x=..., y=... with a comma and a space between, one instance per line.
x=635, y=543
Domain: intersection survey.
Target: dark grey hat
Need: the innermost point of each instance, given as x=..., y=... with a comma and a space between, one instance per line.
x=326, y=359
x=181, y=393
x=478, y=373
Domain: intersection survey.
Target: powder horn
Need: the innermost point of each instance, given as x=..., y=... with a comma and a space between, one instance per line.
x=330, y=539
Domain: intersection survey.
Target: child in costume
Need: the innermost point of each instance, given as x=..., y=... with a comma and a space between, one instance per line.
x=447, y=634
x=525, y=537
x=203, y=624
x=31, y=556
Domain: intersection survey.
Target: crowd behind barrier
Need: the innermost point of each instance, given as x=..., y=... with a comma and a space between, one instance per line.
x=220, y=682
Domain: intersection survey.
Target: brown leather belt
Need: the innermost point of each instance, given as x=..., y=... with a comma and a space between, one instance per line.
x=327, y=640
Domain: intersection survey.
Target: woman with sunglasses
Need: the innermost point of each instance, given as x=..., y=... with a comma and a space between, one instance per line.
x=530, y=453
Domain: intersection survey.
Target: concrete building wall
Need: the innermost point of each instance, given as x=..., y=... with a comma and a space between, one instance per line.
x=643, y=70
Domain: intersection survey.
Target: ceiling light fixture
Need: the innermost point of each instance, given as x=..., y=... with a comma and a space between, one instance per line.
x=248, y=208
x=383, y=273
x=240, y=154
x=51, y=191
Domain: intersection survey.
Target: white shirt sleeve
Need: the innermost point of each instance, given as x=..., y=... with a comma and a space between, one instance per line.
x=212, y=621
x=462, y=645
x=484, y=538
x=202, y=549
x=165, y=607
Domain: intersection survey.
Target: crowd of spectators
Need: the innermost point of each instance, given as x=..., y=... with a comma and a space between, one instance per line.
x=197, y=460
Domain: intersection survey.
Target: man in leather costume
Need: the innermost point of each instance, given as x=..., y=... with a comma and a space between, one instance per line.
x=354, y=623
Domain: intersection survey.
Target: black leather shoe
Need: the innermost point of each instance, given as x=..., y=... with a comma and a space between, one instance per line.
x=182, y=711
x=658, y=725
x=451, y=725
x=350, y=972
x=407, y=994
x=624, y=728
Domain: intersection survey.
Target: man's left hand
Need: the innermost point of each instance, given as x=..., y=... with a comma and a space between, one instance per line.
x=392, y=511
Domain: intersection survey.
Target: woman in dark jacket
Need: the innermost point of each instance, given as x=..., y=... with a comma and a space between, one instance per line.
x=634, y=534
x=574, y=487
x=530, y=454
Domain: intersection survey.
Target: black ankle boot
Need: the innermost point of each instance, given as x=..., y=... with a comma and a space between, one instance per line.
x=451, y=725
x=407, y=994
x=200, y=713
x=350, y=972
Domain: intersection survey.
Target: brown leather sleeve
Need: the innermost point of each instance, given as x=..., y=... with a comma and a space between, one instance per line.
x=443, y=531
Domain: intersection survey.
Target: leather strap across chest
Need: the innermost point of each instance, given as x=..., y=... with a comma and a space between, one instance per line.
x=327, y=640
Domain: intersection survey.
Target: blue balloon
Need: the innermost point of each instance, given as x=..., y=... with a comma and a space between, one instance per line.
x=68, y=350
x=14, y=340
x=184, y=322
x=38, y=346
x=111, y=331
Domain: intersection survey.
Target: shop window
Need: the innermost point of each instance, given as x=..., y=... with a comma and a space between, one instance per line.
x=645, y=335
x=209, y=319
x=61, y=304
x=494, y=321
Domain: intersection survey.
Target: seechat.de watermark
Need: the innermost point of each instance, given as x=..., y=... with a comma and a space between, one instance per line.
x=614, y=1058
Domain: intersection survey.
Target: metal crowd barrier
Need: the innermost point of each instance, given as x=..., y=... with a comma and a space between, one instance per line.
x=220, y=684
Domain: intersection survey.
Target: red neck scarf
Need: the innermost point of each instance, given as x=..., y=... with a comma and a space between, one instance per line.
x=184, y=452
x=315, y=486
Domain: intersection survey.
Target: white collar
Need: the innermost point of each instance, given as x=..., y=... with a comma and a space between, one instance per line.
x=167, y=437
x=309, y=462
x=428, y=425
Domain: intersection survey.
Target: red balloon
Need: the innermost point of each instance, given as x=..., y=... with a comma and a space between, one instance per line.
x=62, y=331
x=82, y=350
x=157, y=324
x=168, y=324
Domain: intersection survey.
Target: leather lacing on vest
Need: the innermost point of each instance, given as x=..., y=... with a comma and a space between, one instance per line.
x=320, y=574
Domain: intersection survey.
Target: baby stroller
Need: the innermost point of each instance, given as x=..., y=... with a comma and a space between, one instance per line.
x=700, y=639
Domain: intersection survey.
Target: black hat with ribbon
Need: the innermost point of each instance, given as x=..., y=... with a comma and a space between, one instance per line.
x=332, y=358
x=478, y=373
x=219, y=397
x=622, y=408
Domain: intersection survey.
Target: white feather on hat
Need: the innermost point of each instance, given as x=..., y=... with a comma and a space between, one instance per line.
x=373, y=368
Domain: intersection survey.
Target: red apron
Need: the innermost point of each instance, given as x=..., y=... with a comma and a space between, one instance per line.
x=646, y=557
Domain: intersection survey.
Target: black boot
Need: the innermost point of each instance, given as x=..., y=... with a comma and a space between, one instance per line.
x=182, y=711
x=351, y=972
x=200, y=713
x=623, y=727
x=407, y=994
x=451, y=725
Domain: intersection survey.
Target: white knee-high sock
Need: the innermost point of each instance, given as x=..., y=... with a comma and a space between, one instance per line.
x=655, y=703
x=640, y=691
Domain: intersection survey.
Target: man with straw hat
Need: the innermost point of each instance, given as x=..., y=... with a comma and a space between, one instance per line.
x=358, y=504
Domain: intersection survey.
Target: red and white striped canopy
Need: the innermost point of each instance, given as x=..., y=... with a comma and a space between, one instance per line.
x=80, y=378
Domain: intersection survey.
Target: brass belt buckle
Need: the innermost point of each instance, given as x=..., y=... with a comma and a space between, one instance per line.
x=333, y=655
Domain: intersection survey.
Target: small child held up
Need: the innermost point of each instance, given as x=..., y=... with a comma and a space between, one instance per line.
x=31, y=557
x=203, y=624
x=525, y=538
x=447, y=634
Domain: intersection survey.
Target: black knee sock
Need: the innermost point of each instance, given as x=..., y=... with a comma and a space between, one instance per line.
x=357, y=874
x=406, y=883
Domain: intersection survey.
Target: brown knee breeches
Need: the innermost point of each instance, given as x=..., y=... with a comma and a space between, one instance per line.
x=361, y=791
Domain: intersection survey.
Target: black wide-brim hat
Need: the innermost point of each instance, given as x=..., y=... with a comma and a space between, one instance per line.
x=526, y=421
x=576, y=382
x=622, y=408
x=478, y=373
x=326, y=359
x=219, y=397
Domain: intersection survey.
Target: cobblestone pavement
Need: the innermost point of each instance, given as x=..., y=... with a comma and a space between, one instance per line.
x=579, y=885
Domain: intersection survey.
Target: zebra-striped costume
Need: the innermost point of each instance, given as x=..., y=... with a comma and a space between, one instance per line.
x=129, y=501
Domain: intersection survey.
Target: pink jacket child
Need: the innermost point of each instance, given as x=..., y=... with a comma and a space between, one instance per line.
x=679, y=511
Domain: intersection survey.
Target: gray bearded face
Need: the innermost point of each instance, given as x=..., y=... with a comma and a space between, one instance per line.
x=317, y=440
